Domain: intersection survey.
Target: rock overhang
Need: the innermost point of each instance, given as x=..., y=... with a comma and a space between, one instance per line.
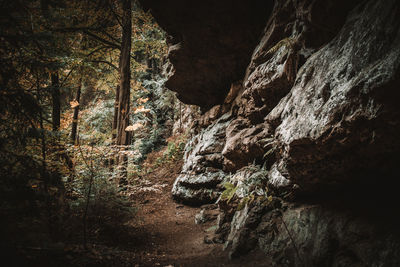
x=211, y=43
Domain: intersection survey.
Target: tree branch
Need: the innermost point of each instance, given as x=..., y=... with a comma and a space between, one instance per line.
x=86, y=30
x=98, y=38
x=105, y=62
x=117, y=18
x=97, y=50
x=111, y=37
x=66, y=77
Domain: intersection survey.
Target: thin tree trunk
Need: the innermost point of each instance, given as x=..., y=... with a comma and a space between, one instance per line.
x=115, y=120
x=55, y=95
x=123, y=137
x=76, y=113
x=44, y=175
x=111, y=160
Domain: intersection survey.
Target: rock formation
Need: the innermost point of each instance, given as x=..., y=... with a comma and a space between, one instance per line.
x=209, y=35
x=303, y=134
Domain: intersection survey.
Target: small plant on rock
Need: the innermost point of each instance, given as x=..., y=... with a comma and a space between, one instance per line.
x=229, y=193
x=252, y=186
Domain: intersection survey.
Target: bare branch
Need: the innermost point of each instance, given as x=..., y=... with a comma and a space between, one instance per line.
x=98, y=38
x=105, y=62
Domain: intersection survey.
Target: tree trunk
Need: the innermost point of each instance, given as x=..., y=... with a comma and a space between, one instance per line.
x=115, y=120
x=111, y=160
x=123, y=137
x=76, y=113
x=55, y=95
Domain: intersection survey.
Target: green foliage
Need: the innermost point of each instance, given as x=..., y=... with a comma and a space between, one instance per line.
x=229, y=192
x=252, y=188
x=175, y=150
x=108, y=208
x=247, y=200
x=288, y=42
x=77, y=40
x=150, y=144
x=270, y=144
x=212, y=228
x=91, y=188
x=96, y=122
x=158, y=103
x=269, y=152
x=170, y=154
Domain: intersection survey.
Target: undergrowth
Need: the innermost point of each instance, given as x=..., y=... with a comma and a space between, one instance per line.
x=246, y=187
x=171, y=153
x=98, y=211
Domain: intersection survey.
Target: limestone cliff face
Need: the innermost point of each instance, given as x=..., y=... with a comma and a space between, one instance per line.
x=306, y=128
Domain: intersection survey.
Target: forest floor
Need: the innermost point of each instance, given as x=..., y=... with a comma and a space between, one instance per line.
x=161, y=232
x=167, y=234
x=166, y=230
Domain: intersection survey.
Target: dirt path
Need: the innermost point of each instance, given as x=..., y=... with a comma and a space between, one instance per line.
x=167, y=233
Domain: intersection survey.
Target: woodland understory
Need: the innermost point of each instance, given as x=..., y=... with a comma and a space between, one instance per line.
x=83, y=103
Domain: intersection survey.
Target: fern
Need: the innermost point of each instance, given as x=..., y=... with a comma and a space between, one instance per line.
x=229, y=192
x=269, y=142
x=269, y=152
x=250, y=199
x=288, y=42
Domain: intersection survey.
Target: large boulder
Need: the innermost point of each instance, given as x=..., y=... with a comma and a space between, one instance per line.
x=202, y=172
x=313, y=235
x=340, y=121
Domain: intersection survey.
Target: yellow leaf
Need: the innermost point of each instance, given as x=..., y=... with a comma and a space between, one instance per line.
x=142, y=110
x=143, y=100
x=134, y=127
x=74, y=104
